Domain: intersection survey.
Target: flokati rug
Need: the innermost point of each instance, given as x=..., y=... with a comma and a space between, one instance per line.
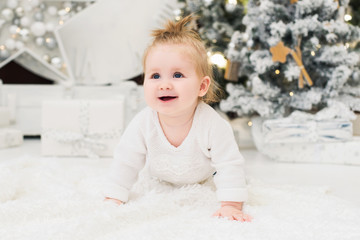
x=60, y=198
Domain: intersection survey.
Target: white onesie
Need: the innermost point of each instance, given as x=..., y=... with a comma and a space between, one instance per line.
x=209, y=147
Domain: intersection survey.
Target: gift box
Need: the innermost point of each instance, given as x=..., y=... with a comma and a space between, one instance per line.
x=331, y=124
x=4, y=116
x=10, y=137
x=285, y=130
x=335, y=152
x=347, y=152
x=81, y=127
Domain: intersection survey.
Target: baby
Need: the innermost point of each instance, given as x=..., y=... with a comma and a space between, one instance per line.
x=182, y=139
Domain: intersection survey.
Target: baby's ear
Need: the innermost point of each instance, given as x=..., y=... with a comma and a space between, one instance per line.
x=204, y=86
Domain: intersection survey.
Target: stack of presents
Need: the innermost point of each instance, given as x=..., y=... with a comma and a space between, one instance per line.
x=76, y=127
x=330, y=136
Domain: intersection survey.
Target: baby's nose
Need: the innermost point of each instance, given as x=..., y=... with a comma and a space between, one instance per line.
x=165, y=85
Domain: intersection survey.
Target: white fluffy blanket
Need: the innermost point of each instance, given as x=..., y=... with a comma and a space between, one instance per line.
x=60, y=198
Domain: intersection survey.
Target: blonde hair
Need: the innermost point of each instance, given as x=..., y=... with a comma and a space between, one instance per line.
x=181, y=33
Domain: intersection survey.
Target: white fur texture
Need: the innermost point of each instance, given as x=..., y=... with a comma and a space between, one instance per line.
x=60, y=198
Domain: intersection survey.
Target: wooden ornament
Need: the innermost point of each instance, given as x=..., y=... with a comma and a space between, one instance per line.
x=232, y=71
x=279, y=53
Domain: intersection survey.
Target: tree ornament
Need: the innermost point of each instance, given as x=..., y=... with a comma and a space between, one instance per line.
x=38, y=29
x=7, y=14
x=25, y=21
x=279, y=53
x=4, y=53
x=52, y=10
x=19, y=12
x=40, y=41
x=50, y=43
x=10, y=44
x=232, y=70
x=56, y=62
x=25, y=34
x=12, y=4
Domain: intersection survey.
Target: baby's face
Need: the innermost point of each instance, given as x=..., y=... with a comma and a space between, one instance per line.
x=172, y=85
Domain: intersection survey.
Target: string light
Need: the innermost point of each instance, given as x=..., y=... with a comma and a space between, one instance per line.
x=291, y=94
x=277, y=71
x=250, y=123
x=347, y=17
x=230, y=5
x=312, y=53
x=218, y=59
x=177, y=13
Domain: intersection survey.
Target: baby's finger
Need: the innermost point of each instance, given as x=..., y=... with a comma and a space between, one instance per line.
x=239, y=217
x=217, y=214
x=247, y=218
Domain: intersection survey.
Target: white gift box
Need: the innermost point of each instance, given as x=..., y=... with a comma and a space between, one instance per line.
x=285, y=130
x=4, y=116
x=320, y=152
x=356, y=125
x=336, y=152
x=10, y=137
x=81, y=127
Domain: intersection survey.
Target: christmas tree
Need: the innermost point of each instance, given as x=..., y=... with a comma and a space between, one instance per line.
x=216, y=23
x=296, y=57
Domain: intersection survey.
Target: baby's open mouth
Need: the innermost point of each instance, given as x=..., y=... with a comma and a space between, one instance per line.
x=167, y=98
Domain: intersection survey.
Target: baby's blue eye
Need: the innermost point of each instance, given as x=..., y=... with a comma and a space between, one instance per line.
x=155, y=76
x=178, y=75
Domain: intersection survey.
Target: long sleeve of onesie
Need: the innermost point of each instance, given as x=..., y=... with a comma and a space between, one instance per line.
x=129, y=159
x=228, y=162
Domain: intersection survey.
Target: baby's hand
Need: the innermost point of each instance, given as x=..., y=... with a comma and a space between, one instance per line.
x=232, y=211
x=117, y=201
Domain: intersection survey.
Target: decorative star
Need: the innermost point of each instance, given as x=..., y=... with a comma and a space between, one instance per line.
x=27, y=35
x=279, y=52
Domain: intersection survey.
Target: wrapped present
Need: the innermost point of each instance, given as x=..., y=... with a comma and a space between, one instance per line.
x=10, y=137
x=330, y=124
x=289, y=130
x=81, y=127
x=4, y=116
x=356, y=125
x=336, y=152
